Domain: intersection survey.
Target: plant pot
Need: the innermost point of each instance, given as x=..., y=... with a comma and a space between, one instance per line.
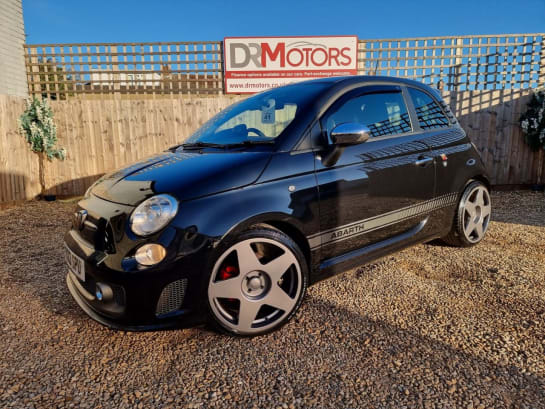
x=50, y=198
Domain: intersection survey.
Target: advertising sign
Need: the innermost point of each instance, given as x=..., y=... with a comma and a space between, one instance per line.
x=254, y=64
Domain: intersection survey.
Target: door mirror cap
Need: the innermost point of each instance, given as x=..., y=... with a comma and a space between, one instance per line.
x=349, y=133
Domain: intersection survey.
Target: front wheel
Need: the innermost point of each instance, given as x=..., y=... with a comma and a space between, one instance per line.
x=257, y=284
x=472, y=216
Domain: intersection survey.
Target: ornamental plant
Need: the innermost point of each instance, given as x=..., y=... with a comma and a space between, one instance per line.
x=532, y=122
x=37, y=126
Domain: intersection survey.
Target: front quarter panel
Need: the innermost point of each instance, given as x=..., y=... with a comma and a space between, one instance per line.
x=286, y=192
x=280, y=193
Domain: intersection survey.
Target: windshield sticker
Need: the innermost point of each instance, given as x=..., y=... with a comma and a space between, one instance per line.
x=268, y=112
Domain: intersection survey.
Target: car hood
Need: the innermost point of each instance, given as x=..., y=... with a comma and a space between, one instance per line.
x=185, y=175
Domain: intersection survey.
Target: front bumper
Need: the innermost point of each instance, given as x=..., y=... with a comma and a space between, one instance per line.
x=71, y=283
x=171, y=295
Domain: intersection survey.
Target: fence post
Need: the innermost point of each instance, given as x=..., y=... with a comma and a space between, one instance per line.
x=35, y=72
x=458, y=63
x=56, y=76
x=540, y=167
x=28, y=67
x=221, y=65
x=541, y=76
x=116, y=86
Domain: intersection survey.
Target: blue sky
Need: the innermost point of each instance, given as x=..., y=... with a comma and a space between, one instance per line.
x=62, y=21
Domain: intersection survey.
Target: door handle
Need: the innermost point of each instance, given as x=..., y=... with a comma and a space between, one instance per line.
x=423, y=161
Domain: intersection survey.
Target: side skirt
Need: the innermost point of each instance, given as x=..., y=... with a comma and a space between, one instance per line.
x=365, y=254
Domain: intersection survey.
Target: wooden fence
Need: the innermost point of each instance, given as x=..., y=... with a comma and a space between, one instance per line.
x=64, y=71
x=491, y=119
x=61, y=71
x=104, y=134
x=459, y=63
x=18, y=167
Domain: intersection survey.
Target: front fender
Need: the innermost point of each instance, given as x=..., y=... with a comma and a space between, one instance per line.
x=226, y=213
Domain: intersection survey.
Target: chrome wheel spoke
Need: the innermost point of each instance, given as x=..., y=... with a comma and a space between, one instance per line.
x=486, y=211
x=278, y=298
x=470, y=208
x=480, y=197
x=277, y=267
x=479, y=230
x=247, y=314
x=229, y=288
x=470, y=226
x=247, y=259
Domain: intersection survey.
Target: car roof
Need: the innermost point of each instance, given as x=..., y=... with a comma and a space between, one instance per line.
x=363, y=79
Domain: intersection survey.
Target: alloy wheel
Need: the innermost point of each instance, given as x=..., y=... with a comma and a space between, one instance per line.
x=476, y=214
x=254, y=285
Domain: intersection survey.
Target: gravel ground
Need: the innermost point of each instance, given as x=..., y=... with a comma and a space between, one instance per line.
x=430, y=327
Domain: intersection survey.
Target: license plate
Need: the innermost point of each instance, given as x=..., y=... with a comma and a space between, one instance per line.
x=75, y=263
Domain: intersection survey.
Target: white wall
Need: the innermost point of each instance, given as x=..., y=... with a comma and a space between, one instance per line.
x=12, y=37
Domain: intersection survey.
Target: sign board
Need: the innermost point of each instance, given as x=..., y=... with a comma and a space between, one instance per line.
x=254, y=64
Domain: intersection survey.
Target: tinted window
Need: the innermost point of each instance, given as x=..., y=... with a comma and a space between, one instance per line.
x=383, y=113
x=428, y=111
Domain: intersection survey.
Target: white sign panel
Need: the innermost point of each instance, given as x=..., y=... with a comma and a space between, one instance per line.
x=254, y=64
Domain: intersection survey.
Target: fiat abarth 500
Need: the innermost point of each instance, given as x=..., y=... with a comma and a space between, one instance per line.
x=275, y=193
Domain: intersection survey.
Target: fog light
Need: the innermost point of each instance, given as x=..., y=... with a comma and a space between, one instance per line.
x=150, y=254
x=103, y=292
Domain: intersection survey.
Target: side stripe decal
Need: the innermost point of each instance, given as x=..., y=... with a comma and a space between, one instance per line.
x=359, y=227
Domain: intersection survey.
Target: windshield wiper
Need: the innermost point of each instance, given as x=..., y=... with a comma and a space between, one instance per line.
x=198, y=145
x=248, y=143
x=173, y=148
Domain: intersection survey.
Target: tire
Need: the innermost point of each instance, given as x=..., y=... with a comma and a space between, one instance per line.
x=472, y=216
x=257, y=282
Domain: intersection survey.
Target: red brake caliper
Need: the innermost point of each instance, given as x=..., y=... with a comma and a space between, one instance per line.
x=228, y=272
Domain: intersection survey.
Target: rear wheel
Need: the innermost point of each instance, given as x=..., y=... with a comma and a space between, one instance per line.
x=472, y=216
x=257, y=284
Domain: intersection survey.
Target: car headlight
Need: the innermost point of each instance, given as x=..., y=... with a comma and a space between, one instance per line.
x=153, y=214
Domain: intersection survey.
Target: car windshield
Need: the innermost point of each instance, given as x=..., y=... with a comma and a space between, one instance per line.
x=261, y=118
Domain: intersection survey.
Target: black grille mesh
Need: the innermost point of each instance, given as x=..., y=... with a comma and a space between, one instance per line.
x=172, y=297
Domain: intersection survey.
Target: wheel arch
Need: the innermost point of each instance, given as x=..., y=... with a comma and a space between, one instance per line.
x=464, y=180
x=280, y=221
x=482, y=178
x=295, y=234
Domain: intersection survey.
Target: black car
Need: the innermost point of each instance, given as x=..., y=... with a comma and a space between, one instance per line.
x=273, y=194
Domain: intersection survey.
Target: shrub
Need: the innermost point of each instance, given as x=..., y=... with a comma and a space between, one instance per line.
x=37, y=126
x=532, y=122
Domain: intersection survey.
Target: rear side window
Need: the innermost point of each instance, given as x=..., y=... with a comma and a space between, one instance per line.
x=428, y=111
x=383, y=113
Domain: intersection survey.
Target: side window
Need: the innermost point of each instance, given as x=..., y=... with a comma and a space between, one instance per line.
x=428, y=111
x=383, y=113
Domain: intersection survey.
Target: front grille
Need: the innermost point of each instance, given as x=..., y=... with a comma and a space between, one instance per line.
x=172, y=297
x=119, y=294
x=97, y=232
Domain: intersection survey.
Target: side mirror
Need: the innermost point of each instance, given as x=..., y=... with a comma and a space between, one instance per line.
x=349, y=133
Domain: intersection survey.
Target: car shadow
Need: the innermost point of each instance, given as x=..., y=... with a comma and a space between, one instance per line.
x=373, y=362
